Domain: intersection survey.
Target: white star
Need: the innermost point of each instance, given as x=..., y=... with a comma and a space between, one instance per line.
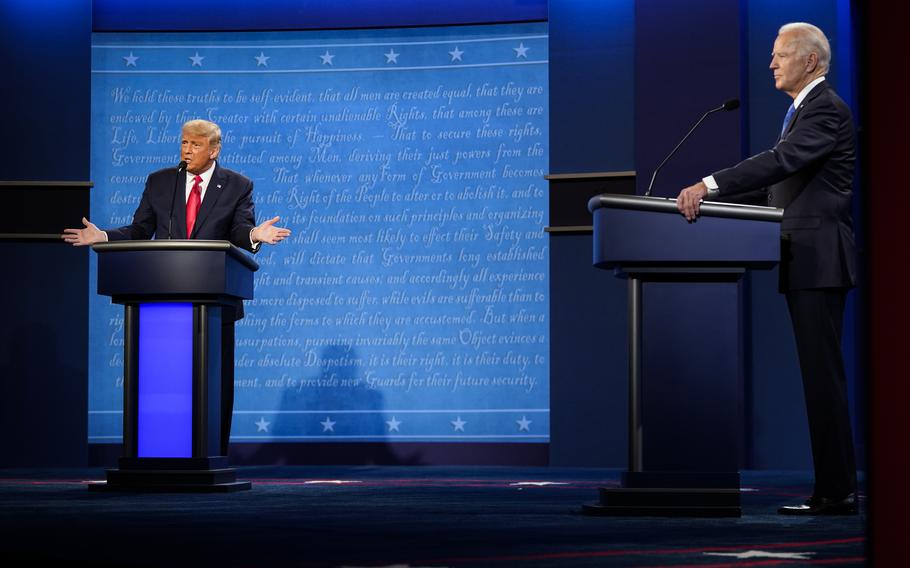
x=262, y=59
x=456, y=54
x=458, y=424
x=393, y=424
x=131, y=60
x=327, y=58
x=262, y=425
x=524, y=424
x=328, y=425
x=391, y=56
x=521, y=50
x=197, y=59
x=763, y=554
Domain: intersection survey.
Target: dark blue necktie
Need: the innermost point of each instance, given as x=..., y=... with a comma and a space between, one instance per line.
x=787, y=119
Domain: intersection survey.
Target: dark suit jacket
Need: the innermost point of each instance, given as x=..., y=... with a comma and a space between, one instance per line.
x=226, y=212
x=809, y=173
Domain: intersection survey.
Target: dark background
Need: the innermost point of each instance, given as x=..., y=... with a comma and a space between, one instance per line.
x=627, y=78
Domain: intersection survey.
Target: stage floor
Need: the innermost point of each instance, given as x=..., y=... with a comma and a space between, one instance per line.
x=405, y=516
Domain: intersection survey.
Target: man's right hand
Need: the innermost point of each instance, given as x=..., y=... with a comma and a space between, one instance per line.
x=87, y=236
x=690, y=198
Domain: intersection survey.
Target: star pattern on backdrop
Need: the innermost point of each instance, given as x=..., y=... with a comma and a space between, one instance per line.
x=762, y=554
x=328, y=425
x=458, y=424
x=328, y=58
x=524, y=425
x=393, y=424
x=262, y=425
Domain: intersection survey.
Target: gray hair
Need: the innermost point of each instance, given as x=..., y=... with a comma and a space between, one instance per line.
x=205, y=128
x=810, y=39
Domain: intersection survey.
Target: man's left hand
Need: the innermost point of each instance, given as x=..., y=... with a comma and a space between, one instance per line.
x=267, y=232
x=690, y=198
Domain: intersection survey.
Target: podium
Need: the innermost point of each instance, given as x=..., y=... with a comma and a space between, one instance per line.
x=176, y=294
x=686, y=349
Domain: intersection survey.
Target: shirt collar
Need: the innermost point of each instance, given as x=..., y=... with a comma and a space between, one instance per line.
x=802, y=94
x=206, y=176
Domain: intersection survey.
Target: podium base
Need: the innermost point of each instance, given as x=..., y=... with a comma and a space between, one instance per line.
x=172, y=475
x=107, y=486
x=663, y=503
x=670, y=494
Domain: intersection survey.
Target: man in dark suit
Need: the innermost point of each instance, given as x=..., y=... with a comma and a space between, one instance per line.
x=809, y=173
x=202, y=201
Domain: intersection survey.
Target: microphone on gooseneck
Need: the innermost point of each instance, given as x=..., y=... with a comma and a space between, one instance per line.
x=181, y=166
x=731, y=104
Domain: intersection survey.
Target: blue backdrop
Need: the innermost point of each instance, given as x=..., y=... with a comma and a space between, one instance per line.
x=412, y=299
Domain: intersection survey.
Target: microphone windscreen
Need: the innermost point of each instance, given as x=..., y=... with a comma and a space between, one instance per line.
x=182, y=164
x=731, y=104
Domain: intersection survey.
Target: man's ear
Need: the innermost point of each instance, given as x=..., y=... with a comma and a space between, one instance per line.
x=812, y=62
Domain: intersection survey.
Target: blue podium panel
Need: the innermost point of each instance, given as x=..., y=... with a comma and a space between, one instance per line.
x=650, y=231
x=689, y=403
x=165, y=409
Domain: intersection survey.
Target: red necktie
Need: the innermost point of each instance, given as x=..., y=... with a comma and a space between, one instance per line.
x=192, y=205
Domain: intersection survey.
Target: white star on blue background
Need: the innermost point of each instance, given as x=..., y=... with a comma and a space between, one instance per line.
x=131, y=60
x=521, y=51
x=391, y=56
x=197, y=59
x=262, y=425
x=327, y=58
x=524, y=424
x=456, y=54
x=393, y=424
x=458, y=424
x=328, y=425
x=262, y=59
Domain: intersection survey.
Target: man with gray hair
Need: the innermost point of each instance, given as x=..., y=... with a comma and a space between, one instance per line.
x=214, y=203
x=808, y=173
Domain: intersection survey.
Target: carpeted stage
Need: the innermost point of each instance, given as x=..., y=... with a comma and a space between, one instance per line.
x=405, y=516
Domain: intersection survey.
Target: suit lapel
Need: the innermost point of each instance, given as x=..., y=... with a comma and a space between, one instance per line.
x=816, y=91
x=212, y=193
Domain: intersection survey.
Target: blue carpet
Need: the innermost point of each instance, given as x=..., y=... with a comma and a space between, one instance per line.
x=406, y=516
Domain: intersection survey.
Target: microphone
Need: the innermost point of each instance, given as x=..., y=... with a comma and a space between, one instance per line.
x=170, y=218
x=731, y=104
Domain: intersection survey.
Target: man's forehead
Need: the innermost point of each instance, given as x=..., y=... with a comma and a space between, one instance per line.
x=786, y=41
x=190, y=136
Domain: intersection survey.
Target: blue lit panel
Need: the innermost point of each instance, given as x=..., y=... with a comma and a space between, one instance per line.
x=165, y=422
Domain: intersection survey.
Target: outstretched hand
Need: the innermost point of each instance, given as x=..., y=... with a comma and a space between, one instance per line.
x=267, y=232
x=690, y=198
x=87, y=236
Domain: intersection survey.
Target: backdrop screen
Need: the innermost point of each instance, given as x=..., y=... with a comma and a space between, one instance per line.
x=411, y=302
